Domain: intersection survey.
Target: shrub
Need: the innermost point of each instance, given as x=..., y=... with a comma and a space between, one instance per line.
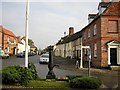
x=70, y=77
x=33, y=71
x=10, y=75
x=17, y=74
x=85, y=83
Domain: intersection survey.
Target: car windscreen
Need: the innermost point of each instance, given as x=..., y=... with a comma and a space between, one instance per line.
x=46, y=56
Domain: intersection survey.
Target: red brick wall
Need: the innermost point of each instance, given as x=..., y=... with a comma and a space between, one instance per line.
x=113, y=9
x=106, y=36
x=96, y=61
x=1, y=36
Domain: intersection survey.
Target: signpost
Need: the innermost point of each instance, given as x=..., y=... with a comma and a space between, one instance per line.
x=89, y=54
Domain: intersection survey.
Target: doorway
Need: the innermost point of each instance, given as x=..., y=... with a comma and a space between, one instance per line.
x=113, y=56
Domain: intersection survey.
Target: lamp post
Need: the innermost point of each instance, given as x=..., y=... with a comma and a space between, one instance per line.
x=26, y=34
x=50, y=74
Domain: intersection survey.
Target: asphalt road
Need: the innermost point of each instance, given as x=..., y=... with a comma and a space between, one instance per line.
x=67, y=67
x=42, y=69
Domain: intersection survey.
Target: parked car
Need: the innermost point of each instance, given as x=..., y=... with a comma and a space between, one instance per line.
x=22, y=54
x=3, y=55
x=44, y=58
x=31, y=53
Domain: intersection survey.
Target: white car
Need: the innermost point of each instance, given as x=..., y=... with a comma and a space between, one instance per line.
x=44, y=58
x=3, y=55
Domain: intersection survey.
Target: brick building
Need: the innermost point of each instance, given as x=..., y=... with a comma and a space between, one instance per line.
x=102, y=34
x=0, y=37
x=9, y=42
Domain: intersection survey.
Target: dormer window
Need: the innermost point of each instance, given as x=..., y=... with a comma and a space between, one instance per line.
x=102, y=7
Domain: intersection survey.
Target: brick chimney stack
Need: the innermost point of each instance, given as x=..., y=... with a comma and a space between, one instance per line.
x=71, y=30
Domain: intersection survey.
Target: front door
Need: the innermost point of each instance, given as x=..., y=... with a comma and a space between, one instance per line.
x=113, y=56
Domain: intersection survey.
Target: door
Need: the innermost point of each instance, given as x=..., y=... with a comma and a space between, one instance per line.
x=113, y=56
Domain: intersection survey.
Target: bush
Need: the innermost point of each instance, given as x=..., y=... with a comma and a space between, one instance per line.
x=70, y=77
x=17, y=74
x=33, y=71
x=10, y=75
x=85, y=83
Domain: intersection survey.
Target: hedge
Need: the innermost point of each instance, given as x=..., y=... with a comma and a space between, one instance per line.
x=18, y=74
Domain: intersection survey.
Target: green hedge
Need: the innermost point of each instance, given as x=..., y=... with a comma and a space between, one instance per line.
x=85, y=82
x=17, y=74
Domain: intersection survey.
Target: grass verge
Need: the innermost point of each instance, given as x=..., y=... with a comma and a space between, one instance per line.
x=47, y=84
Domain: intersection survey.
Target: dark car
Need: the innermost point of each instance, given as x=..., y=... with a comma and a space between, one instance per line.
x=22, y=54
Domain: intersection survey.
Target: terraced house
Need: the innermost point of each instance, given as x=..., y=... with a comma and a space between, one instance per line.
x=102, y=34
x=9, y=41
x=0, y=37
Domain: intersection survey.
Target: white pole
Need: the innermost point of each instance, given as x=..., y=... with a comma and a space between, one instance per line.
x=81, y=61
x=26, y=34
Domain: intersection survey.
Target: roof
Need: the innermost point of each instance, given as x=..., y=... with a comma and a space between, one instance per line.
x=69, y=38
x=8, y=32
x=110, y=10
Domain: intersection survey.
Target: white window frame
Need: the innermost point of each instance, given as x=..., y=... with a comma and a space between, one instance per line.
x=8, y=39
x=89, y=33
x=84, y=35
x=8, y=49
x=95, y=30
x=95, y=50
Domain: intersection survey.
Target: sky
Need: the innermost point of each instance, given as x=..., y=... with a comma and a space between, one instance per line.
x=48, y=19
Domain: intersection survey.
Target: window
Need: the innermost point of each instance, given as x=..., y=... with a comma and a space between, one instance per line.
x=95, y=30
x=95, y=50
x=89, y=33
x=113, y=26
x=8, y=39
x=84, y=35
x=15, y=41
x=8, y=49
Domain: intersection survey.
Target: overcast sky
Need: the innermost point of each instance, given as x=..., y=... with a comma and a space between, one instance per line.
x=48, y=19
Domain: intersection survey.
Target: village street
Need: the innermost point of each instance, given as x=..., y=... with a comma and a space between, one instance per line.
x=67, y=67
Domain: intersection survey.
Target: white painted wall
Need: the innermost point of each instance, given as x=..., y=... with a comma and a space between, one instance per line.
x=21, y=46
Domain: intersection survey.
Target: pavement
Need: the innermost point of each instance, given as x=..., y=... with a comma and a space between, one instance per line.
x=110, y=78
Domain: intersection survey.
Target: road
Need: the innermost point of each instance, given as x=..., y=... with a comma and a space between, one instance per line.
x=42, y=69
x=67, y=67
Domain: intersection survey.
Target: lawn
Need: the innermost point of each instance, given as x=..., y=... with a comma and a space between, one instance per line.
x=48, y=84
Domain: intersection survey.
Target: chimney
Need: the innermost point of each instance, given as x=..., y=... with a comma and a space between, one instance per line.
x=71, y=30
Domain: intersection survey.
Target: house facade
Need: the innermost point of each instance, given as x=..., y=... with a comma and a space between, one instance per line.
x=0, y=37
x=69, y=46
x=102, y=34
x=9, y=42
x=21, y=45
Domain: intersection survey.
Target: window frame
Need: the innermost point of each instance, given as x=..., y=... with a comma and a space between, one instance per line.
x=89, y=34
x=95, y=50
x=94, y=29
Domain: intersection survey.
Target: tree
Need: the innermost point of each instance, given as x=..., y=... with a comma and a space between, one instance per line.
x=30, y=42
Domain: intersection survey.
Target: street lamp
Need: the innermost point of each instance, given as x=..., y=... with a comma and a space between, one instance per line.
x=50, y=74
